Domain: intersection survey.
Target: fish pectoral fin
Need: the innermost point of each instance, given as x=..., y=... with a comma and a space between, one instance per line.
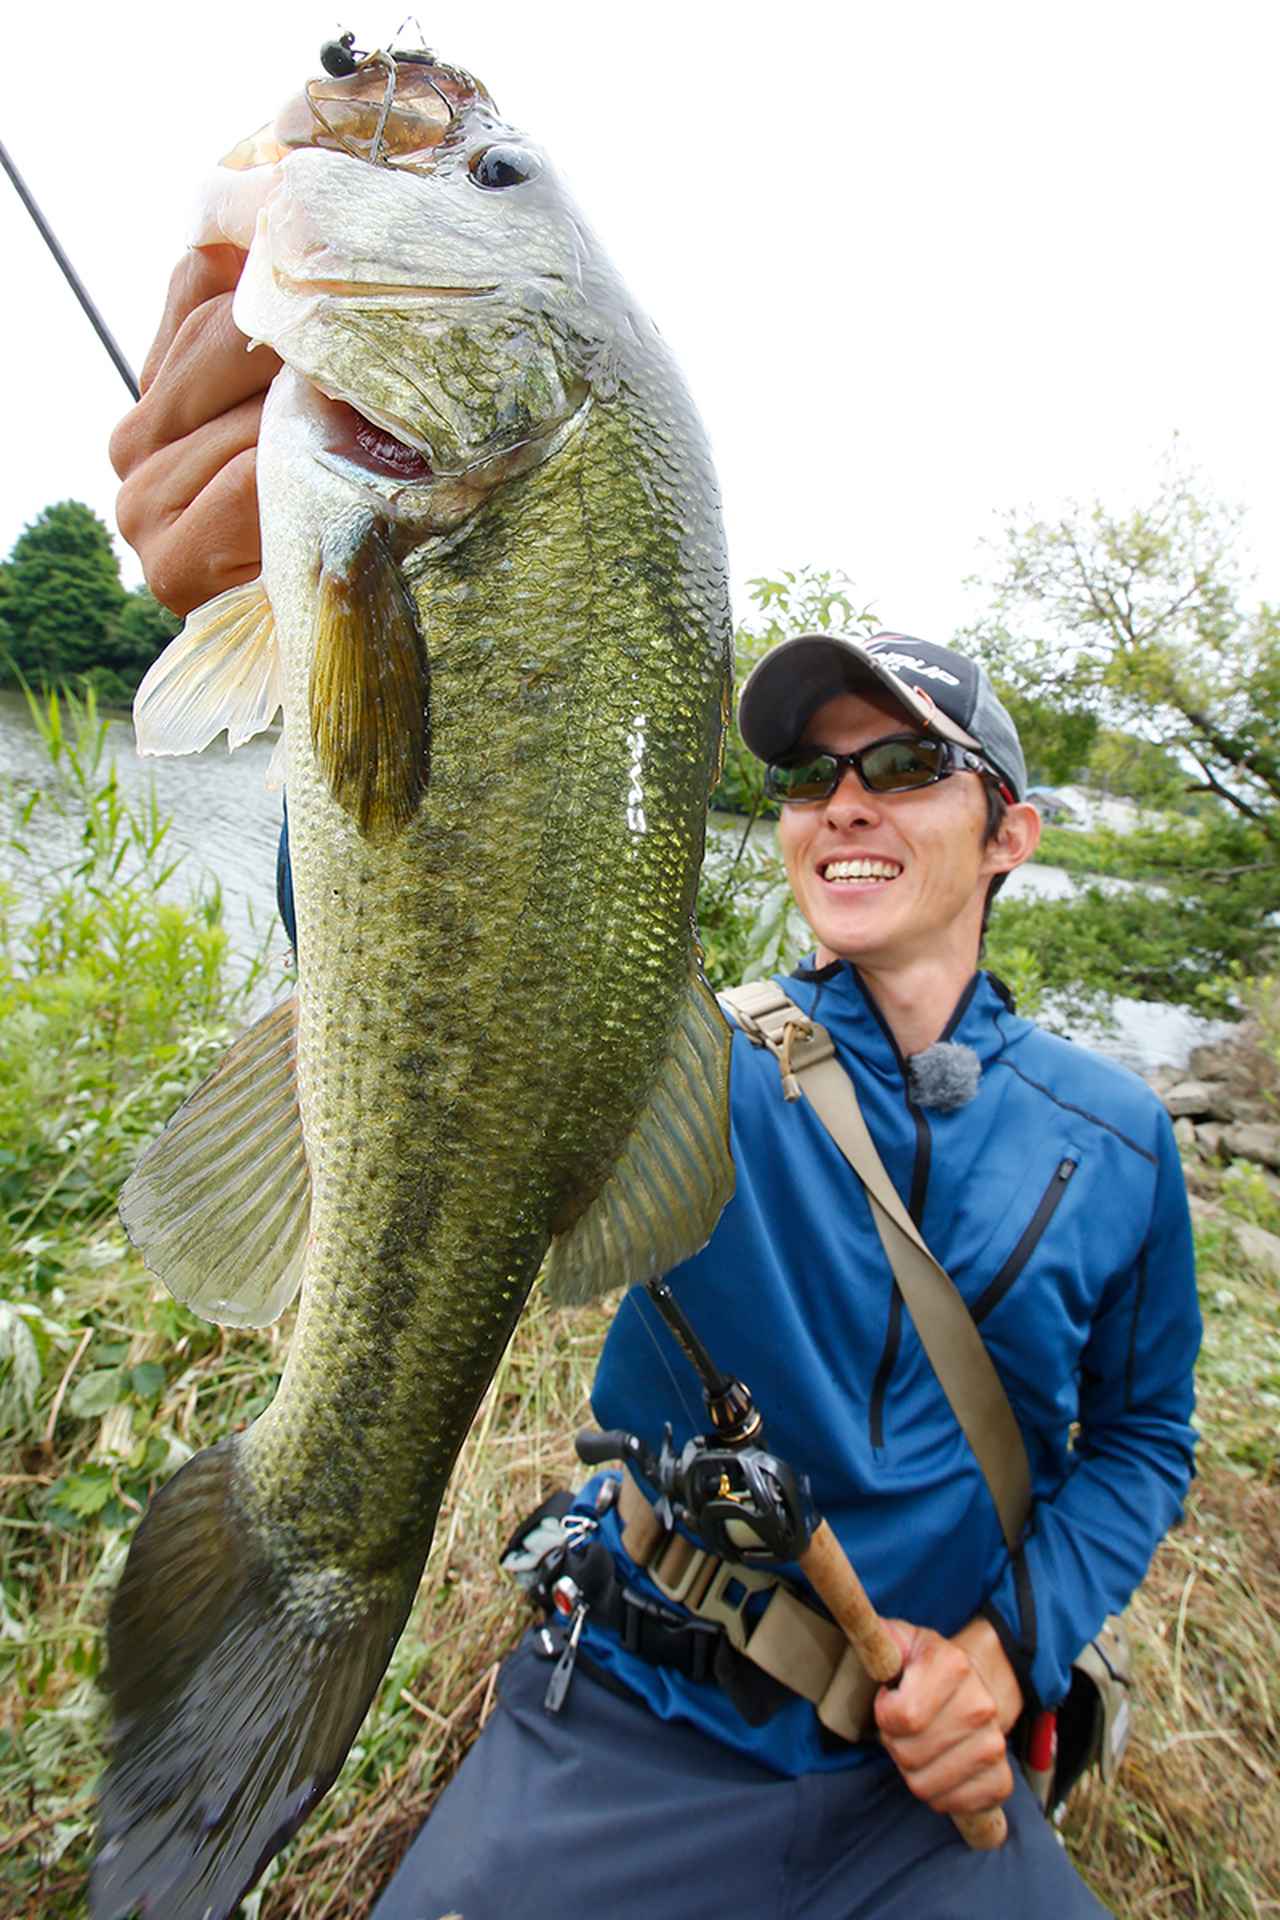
x=219, y=1206
x=222, y=670
x=673, y=1176
x=369, y=688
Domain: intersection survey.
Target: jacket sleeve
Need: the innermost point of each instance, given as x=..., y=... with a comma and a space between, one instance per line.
x=1089, y=1544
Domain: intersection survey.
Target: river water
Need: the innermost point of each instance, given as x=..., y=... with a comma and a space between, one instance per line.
x=227, y=823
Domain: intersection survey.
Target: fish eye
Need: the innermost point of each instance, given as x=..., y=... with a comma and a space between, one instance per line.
x=504, y=166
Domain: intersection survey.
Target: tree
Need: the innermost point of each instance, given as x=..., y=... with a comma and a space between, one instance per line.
x=1140, y=620
x=64, y=615
x=64, y=594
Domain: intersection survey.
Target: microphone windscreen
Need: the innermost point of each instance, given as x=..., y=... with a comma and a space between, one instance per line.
x=944, y=1076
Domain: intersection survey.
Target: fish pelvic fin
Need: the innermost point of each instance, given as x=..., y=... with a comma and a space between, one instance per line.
x=222, y=670
x=219, y=1206
x=673, y=1176
x=236, y=1691
x=369, y=688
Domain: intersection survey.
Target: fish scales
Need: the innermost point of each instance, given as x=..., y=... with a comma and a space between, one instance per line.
x=501, y=1041
x=580, y=937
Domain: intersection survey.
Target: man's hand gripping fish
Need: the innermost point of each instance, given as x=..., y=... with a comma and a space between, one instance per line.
x=494, y=610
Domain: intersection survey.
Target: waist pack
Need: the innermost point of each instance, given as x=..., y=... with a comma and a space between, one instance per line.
x=1090, y=1728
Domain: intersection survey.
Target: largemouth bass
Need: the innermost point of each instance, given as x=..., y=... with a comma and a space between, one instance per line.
x=494, y=610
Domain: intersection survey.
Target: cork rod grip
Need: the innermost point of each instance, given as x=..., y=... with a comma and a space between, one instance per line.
x=826, y=1565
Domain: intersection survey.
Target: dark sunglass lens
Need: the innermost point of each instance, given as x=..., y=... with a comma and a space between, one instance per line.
x=895, y=766
x=811, y=779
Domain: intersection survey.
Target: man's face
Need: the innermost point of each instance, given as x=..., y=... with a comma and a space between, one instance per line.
x=886, y=879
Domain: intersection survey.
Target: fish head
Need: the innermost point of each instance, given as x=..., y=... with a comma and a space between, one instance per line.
x=444, y=299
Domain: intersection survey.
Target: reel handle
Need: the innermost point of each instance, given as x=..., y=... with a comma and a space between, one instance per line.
x=594, y=1448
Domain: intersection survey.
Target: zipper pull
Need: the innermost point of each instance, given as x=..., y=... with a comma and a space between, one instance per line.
x=562, y=1674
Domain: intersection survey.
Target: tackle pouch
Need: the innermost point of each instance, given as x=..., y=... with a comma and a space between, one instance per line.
x=535, y=1551
x=1094, y=1719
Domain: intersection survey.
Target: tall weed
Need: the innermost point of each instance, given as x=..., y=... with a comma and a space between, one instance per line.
x=113, y=993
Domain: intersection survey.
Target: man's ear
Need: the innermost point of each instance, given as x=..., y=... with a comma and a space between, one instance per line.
x=1017, y=840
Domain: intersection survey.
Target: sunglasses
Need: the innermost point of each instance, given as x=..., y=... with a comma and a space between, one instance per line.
x=898, y=764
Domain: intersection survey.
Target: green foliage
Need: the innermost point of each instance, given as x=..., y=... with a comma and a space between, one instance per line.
x=747, y=920
x=64, y=615
x=1142, y=770
x=1057, y=739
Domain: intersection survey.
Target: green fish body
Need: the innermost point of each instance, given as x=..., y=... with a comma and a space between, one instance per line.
x=494, y=608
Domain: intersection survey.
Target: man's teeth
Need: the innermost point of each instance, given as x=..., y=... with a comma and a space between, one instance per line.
x=861, y=870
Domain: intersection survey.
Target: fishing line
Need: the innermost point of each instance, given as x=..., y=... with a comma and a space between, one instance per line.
x=695, y=1416
x=72, y=278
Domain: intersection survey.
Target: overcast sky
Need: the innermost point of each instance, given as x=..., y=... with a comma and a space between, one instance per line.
x=921, y=263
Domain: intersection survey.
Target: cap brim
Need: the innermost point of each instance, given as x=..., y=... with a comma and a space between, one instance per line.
x=785, y=689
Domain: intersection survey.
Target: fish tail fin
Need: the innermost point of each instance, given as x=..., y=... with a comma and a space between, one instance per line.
x=236, y=1692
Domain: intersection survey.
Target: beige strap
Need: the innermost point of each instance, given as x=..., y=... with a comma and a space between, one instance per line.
x=797, y=1645
x=950, y=1338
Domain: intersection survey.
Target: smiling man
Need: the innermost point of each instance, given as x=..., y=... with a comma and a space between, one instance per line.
x=682, y=1774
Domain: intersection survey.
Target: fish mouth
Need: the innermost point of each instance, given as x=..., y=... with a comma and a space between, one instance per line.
x=365, y=443
x=403, y=475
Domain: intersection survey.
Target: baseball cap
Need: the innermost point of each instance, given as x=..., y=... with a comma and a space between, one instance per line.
x=941, y=690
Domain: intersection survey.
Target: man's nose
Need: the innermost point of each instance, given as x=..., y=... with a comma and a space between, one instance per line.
x=851, y=801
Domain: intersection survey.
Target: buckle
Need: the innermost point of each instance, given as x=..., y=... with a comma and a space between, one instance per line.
x=670, y=1635
x=720, y=1606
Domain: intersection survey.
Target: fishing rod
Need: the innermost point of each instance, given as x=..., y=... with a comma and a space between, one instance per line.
x=72, y=278
x=747, y=1505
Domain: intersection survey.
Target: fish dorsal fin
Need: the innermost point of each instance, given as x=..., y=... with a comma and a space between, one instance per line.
x=671, y=1179
x=369, y=680
x=219, y=1205
x=222, y=670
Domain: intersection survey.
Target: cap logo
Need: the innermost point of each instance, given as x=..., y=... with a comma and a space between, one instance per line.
x=896, y=660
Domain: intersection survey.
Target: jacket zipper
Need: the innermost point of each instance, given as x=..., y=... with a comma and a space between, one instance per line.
x=1032, y=1234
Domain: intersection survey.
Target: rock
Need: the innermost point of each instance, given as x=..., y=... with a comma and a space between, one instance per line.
x=1252, y=1142
x=1209, y=1140
x=1184, y=1132
x=1260, y=1248
x=1202, y=1099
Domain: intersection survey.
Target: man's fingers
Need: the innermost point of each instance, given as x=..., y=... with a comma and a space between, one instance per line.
x=207, y=371
x=167, y=484
x=201, y=274
x=933, y=1670
x=214, y=545
x=969, y=1778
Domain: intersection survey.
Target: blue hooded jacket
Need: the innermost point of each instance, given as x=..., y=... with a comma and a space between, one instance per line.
x=1055, y=1200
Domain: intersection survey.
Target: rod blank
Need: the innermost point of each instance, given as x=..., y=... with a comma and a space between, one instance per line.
x=73, y=279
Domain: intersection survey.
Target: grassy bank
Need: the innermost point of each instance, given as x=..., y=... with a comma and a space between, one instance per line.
x=106, y=1385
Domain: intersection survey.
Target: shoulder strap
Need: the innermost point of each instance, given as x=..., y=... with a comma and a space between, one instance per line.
x=956, y=1351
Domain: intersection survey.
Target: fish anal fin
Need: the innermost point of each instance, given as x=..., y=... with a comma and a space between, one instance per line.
x=219, y=1205
x=221, y=671
x=369, y=689
x=236, y=1690
x=673, y=1176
